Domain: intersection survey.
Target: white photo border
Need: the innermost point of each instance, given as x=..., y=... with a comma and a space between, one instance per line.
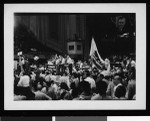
x=138, y=8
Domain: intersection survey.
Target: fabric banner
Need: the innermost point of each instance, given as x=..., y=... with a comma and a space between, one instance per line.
x=94, y=54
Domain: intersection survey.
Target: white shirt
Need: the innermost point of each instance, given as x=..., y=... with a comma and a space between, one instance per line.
x=42, y=75
x=81, y=65
x=53, y=78
x=33, y=75
x=24, y=81
x=57, y=61
x=47, y=78
x=23, y=61
x=69, y=61
x=55, y=87
x=50, y=63
x=65, y=79
x=63, y=61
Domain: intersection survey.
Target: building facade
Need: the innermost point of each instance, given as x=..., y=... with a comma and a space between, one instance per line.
x=55, y=30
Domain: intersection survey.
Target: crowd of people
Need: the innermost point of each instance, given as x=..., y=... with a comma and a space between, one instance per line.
x=63, y=78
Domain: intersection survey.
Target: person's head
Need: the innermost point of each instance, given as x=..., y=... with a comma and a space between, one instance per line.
x=48, y=84
x=47, y=72
x=65, y=73
x=73, y=85
x=83, y=74
x=59, y=56
x=68, y=56
x=120, y=91
x=100, y=77
x=63, y=85
x=52, y=82
x=74, y=75
x=65, y=56
x=116, y=79
x=43, y=71
x=39, y=86
x=53, y=73
x=44, y=84
x=107, y=60
x=95, y=69
x=101, y=87
x=67, y=96
x=87, y=73
x=85, y=87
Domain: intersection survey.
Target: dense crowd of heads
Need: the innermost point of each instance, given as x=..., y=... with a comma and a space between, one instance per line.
x=84, y=81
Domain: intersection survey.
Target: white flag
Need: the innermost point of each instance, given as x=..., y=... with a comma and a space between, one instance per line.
x=94, y=51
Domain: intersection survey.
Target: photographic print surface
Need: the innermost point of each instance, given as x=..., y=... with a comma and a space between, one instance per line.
x=83, y=56
x=74, y=56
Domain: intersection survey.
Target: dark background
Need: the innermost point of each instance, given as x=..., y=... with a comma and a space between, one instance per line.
x=26, y=118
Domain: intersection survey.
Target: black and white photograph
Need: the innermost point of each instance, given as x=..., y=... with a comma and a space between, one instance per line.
x=77, y=56
x=56, y=57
